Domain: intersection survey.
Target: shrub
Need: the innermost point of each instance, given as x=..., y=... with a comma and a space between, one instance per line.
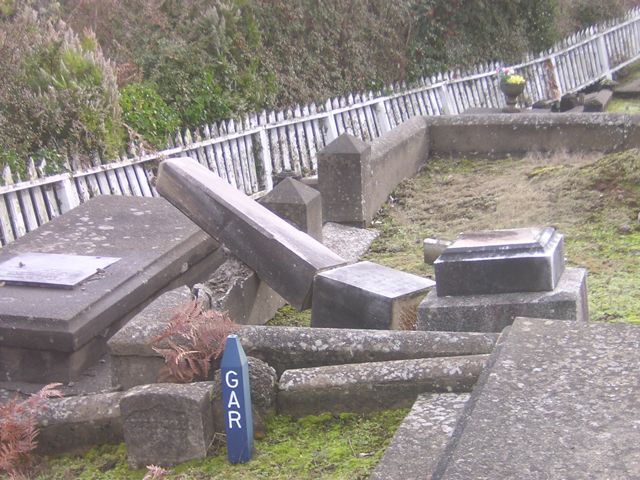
x=146, y=113
x=18, y=430
x=193, y=339
x=57, y=91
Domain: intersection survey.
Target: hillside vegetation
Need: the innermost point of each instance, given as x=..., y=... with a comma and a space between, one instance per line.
x=82, y=77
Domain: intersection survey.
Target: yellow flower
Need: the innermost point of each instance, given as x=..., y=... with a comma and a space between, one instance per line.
x=515, y=79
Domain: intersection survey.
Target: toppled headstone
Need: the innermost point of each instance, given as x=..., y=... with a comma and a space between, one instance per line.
x=421, y=438
x=374, y=386
x=367, y=295
x=298, y=204
x=166, y=423
x=49, y=334
x=284, y=257
x=501, y=261
x=557, y=400
x=286, y=348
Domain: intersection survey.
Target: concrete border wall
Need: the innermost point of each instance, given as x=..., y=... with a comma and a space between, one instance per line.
x=356, y=178
x=501, y=134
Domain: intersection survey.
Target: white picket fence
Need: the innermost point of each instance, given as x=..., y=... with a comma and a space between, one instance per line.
x=249, y=152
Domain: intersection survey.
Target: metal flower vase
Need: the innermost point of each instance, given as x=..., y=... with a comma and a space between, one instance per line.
x=511, y=92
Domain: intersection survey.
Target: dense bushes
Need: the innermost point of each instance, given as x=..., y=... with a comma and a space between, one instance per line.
x=57, y=92
x=190, y=62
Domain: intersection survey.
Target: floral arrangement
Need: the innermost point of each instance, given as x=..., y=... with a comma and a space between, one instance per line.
x=507, y=75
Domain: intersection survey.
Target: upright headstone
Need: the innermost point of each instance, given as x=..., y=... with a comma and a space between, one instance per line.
x=298, y=204
x=236, y=399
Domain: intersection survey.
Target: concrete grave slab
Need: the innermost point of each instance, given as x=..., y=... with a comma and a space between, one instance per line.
x=421, y=438
x=374, y=386
x=366, y=295
x=166, y=423
x=298, y=204
x=557, y=400
x=284, y=257
x=501, y=261
x=597, y=101
x=351, y=243
x=51, y=334
x=492, y=313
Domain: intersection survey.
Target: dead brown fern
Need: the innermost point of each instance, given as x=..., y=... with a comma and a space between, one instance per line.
x=19, y=431
x=193, y=339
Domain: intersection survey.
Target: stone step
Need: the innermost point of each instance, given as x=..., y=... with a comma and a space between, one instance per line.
x=374, y=386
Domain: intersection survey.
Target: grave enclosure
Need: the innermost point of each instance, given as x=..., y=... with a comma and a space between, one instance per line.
x=352, y=356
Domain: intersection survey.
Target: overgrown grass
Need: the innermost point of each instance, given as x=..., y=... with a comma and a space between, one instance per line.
x=345, y=446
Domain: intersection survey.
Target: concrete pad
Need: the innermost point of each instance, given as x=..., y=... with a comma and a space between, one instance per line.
x=165, y=424
x=284, y=257
x=51, y=334
x=492, y=313
x=421, y=438
x=366, y=295
x=374, y=386
x=79, y=422
x=558, y=400
x=628, y=90
x=351, y=243
x=298, y=204
x=501, y=261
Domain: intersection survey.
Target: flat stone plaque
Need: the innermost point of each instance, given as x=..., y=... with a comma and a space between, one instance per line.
x=518, y=239
x=52, y=269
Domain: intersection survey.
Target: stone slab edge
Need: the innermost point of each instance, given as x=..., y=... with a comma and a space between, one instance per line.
x=421, y=438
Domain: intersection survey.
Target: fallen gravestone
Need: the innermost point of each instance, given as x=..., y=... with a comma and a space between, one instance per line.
x=51, y=334
x=284, y=257
x=557, y=400
x=374, y=386
x=367, y=295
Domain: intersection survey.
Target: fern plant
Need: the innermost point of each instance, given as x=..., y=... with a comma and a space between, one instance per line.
x=193, y=339
x=19, y=431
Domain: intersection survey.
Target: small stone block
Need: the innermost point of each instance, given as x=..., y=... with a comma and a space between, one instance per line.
x=433, y=248
x=166, y=424
x=421, y=438
x=557, y=400
x=366, y=295
x=501, y=261
x=492, y=313
x=598, y=101
x=366, y=387
x=79, y=422
x=298, y=204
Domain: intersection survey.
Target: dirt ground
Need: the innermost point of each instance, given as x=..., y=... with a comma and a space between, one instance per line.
x=593, y=199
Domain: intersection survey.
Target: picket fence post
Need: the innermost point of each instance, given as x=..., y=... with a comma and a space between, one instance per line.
x=381, y=117
x=67, y=194
x=604, y=57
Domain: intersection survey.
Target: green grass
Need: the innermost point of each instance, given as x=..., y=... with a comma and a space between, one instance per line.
x=346, y=446
x=624, y=105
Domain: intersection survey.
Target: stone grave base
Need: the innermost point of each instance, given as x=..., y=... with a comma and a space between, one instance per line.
x=492, y=313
